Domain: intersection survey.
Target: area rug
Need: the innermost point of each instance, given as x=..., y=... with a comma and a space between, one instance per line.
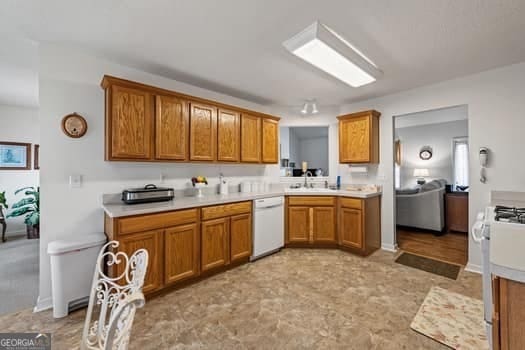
x=452, y=319
x=429, y=265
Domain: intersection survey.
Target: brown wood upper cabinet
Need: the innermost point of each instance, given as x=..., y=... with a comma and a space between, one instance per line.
x=250, y=139
x=203, y=131
x=228, y=135
x=270, y=142
x=359, y=137
x=129, y=127
x=171, y=128
x=147, y=123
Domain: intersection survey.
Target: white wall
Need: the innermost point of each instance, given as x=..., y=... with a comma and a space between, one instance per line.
x=439, y=137
x=315, y=152
x=70, y=82
x=496, y=120
x=18, y=124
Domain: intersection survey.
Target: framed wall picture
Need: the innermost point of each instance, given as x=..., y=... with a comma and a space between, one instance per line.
x=15, y=156
x=36, y=158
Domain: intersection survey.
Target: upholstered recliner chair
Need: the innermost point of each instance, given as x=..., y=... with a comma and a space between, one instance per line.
x=422, y=207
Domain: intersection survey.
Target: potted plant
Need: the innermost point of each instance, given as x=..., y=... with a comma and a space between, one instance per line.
x=3, y=202
x=30, y=207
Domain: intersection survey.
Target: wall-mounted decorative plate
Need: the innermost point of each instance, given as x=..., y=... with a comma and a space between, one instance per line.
x=74, y=125
x=425, y=153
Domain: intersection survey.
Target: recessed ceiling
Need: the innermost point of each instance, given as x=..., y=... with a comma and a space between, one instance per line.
x=235, y=47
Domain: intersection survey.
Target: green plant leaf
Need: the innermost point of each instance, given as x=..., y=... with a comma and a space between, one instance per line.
x=3, y=200
x=20, y=211
x=24, y=201
x=24, y=188
x=32, y=219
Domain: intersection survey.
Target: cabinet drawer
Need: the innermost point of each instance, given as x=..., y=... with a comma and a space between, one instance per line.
x=351, y=203
x=220, y=211
x=311, y=201
x=155, y=221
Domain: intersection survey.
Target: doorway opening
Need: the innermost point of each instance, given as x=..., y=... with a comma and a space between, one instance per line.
x=431, y=171
x=19, y=207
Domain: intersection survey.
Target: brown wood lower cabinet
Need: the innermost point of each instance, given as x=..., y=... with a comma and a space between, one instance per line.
x=215, y=243
x=152, y=242
x=351, y=231
x=323, y=221
x=360, y=224
x=351, y=223
x=240, y=237
x=180, y=246
x=311, y=220
x=508, y=318
x=181, y=253
x=227, y=239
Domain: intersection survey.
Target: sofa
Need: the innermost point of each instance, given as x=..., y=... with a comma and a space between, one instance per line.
x=422, y=207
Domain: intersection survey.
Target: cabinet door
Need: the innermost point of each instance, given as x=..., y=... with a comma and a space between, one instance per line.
x=152, y=242
x=457, y=212
x=228, y=136
x=354, y=140
x=270, y=153
x=299, y=225
x=324, y=225
x=181, y=253
x=171, y=128
x=240, y=236
x=351, y=228
x=250, y=139
x=215, y=245
x=131, y=124
x=203, y=132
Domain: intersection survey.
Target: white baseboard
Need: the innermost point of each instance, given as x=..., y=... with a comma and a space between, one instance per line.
x=389, y=247
x=43, y=304
x=473, y=268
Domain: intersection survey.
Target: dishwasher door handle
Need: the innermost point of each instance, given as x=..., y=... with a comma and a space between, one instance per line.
x=269, y=207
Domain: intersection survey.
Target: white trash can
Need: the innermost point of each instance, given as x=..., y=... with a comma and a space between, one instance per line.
x=72, y=266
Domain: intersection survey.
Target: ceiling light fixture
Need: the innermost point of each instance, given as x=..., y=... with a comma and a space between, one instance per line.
x=310, y=106
x=305, y=108
x=325, y=49
x=314, y=108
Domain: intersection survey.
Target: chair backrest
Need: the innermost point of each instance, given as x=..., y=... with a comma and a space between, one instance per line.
x=114, y=300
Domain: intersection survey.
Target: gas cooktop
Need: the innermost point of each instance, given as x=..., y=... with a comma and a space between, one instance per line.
x=509, y=214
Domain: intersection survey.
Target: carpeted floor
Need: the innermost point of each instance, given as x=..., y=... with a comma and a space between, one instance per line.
x=18, y=273
x=296, y=299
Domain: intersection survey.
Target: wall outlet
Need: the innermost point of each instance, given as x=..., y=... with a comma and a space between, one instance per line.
x=75, y=181
x=162, y=178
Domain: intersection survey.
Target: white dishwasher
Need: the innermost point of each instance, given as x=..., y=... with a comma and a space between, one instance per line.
x=268, y=226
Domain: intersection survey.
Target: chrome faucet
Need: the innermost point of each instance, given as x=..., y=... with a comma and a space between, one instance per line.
x=306, y=177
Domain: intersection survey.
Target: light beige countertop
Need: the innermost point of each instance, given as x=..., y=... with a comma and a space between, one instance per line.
x=119, y=209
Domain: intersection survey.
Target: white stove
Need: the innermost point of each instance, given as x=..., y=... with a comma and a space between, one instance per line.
x=500, y=230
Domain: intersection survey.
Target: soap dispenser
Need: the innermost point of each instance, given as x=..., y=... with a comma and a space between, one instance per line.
x=223, y=184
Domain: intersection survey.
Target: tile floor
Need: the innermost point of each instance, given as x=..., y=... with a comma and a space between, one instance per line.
x=296, y=299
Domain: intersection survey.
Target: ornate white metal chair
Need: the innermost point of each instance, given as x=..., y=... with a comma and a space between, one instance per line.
x=114, y=299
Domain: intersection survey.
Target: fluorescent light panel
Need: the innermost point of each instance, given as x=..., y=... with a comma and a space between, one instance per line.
x=328, y=51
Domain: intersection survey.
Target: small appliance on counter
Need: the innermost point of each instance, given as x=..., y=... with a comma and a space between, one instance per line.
x=147, y=194
x=223, y=185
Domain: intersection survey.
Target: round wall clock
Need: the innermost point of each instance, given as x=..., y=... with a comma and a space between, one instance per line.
x=425, y=153
x=74, y=125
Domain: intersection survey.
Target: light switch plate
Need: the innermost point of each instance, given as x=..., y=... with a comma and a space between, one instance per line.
x=75, y=181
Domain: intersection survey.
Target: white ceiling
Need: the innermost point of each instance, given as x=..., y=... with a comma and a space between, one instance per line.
x=235, y=46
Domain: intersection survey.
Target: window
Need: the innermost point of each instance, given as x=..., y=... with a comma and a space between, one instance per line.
x=460, y=148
